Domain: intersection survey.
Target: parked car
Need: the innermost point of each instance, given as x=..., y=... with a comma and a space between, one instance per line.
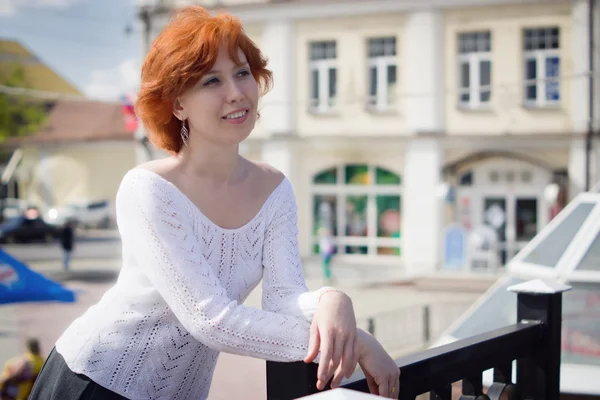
x=24, y=229
x=98, y=214
x=13, y=208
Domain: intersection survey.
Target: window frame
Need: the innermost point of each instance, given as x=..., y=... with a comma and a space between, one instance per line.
x=473, y=60
x=541, y=81
x=324, y=102
x=380, y=102
x=341, y=190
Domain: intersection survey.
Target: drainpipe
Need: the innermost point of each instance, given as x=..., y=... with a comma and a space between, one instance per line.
x=590, y=130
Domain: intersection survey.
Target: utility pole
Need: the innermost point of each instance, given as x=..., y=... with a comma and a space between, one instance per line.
x=146, y=15
x=590, y=131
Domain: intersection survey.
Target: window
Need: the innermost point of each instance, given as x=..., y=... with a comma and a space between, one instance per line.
x=475, y=69
x=553, y=246
x=360, y=205
x=542, y=66
x=323, y=75
x=382, y=72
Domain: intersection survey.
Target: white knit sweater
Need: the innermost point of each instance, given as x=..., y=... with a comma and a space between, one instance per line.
x=157, y=333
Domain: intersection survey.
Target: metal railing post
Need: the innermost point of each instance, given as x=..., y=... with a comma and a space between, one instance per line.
x=291, y=380
x=538, y=376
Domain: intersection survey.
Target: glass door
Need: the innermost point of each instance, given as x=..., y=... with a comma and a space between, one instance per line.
x=494, y=217
x=525, y=220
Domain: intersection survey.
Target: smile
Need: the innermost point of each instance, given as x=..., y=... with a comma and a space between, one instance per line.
x=236, y=117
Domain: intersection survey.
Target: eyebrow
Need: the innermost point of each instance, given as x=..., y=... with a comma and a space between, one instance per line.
x=216, y=71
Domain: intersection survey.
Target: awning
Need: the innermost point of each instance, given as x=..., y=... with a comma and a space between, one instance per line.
x=19, y=284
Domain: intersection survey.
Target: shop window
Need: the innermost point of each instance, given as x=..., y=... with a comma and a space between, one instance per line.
x=386, y=177
x=466, y=179
x=357, y=174
x=327, y=177
x=360, y=206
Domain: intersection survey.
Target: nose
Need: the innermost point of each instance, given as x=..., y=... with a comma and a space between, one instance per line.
x=234, y=93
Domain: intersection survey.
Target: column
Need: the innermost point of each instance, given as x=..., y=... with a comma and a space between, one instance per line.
x=580, y=60
x=422, y=71
x=422, y=221
x=576, y=167
x=279, y=153
x=279, y=105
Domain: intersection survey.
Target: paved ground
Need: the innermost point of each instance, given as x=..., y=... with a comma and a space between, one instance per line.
x=235, y=376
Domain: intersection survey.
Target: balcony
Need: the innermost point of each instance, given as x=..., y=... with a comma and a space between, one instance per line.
x=533, y=344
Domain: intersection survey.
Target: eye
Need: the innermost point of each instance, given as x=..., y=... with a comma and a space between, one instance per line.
x=243, y=73
x=210, y=82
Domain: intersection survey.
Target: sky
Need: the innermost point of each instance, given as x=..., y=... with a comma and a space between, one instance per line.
x=84, y=41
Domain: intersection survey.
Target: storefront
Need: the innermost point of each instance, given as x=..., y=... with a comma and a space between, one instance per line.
x=360, y=206
x=504, y=197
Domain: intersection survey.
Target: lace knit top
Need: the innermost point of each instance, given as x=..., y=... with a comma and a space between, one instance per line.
x=177, y=303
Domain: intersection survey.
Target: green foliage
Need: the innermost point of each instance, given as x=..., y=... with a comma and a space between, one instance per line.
x=19, y=114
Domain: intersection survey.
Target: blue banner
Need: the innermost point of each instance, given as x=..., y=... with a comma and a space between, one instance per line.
x=20, y=284
x=455, y=247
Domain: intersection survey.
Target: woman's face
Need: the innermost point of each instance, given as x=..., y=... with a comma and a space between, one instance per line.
x=221, y=106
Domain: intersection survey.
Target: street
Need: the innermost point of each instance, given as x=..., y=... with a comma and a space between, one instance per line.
x=88, y=245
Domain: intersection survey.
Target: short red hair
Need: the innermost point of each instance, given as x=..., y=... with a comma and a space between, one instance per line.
x=184, y=51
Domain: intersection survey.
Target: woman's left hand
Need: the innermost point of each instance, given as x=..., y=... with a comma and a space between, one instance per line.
x=333, y=332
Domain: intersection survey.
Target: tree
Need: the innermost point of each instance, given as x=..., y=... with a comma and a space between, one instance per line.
x=19, y=114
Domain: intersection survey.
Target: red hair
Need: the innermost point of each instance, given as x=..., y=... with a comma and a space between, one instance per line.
x=184, y=51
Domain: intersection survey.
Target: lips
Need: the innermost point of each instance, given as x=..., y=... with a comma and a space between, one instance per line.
x=236, y=114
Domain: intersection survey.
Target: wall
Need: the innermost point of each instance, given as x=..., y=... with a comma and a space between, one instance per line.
x=507, y=114
x=75, y=171
x=351, y=118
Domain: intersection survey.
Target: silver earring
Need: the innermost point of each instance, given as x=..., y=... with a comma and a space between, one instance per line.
x=185, y=134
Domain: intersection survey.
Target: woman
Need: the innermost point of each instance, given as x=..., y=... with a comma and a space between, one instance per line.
x=199, y=230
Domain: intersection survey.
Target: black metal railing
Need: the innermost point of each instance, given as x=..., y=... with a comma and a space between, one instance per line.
x=534, y=342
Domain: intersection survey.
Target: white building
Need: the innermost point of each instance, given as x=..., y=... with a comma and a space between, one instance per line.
x=380, y=106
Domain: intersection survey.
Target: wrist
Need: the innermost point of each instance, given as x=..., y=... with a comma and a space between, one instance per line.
x=362, y=338
x=328, y=291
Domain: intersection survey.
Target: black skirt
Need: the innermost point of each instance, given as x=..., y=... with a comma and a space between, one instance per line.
x=57, y=382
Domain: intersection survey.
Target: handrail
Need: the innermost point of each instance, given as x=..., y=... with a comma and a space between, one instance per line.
x=534, y=343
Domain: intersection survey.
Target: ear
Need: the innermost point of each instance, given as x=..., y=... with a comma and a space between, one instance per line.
x=178, y=110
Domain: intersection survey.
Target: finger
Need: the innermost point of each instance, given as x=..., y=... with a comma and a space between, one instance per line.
x=384, y=389
x=326, y=353
x=353, y=359
x=313, y=343
x=372, y=385
x=338, y=350
x=347, y=357
x=355, y=356
x=393, y=392
x=337, y=377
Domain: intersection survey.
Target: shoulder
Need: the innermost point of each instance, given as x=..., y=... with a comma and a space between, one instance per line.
x=148, y=182
x=275, y=187
x=270, y=176
x=270, y=180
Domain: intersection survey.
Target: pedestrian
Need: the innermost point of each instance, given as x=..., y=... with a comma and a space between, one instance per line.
x=326, y=250
x=19, y=373
x=67, y=239
x=200, y=229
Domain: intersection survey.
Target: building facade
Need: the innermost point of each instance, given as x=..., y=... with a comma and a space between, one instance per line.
x=397, y=120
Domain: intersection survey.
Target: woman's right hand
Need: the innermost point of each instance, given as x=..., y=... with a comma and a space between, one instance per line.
x=382, y=373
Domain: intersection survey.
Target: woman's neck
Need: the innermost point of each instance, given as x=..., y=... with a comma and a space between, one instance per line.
x=221, y=165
